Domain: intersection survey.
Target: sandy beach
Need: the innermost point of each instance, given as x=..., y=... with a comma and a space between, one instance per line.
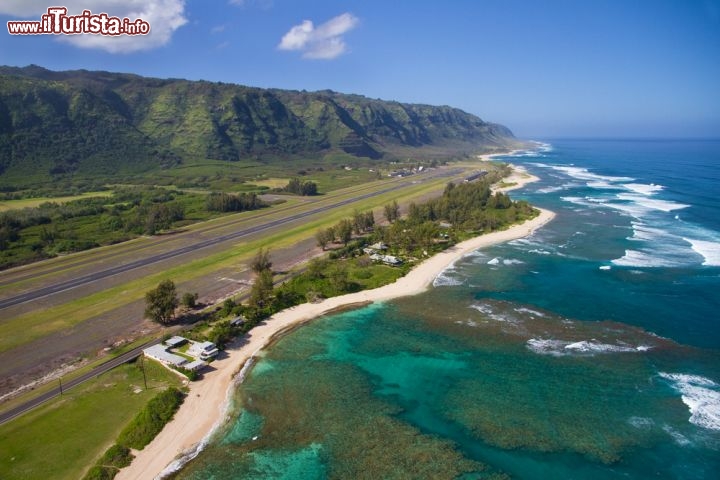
x=205, y=407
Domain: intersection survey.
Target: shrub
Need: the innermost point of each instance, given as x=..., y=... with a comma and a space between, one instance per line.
x=151, y=419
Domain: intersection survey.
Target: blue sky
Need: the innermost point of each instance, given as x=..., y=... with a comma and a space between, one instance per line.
x=625, y=68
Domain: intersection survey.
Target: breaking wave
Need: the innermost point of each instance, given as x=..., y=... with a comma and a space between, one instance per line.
x=701, y=395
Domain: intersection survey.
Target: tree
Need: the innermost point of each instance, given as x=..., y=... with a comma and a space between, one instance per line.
x=358, y=222
x=392, y=211
x=261, y=290
x=228, y=307
x=160, y=303
x=298, y=187
x=344, y=231
x=189, y=300
x=323, y=237
x=261, y=262
x=338, y=276
x=369, y=220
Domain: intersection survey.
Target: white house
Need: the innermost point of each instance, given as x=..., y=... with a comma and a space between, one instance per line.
x=386, y=259
x=160, y=353
x=203, y=350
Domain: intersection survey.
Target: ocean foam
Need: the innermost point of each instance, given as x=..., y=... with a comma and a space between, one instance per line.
x=444, y=280
x=603, y=185
x=588, y=346
x=604, y=267
x=512, y=261
x=547, y=346
x=559, y=348
x=636, y=258
x=550, y=189
x=641, y=422
x=679, y=438
x=643, y=232
x=585, y=174
x=710, y=251
x=488, y=312
x=494, y=261
x=529, y=311
x=643, y=189
x=702, y=397
x=652, y=203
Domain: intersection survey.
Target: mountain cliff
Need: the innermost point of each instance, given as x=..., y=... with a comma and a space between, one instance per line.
x=100, y=123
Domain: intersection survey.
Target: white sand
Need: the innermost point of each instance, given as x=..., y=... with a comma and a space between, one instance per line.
x=206, y=404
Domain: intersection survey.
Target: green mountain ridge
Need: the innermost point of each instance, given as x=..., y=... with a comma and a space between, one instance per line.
x=83, y=123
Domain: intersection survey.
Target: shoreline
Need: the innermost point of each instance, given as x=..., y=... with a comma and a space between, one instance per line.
x=206, y=406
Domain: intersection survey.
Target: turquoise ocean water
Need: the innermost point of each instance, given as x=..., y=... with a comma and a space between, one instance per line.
x=590, y=350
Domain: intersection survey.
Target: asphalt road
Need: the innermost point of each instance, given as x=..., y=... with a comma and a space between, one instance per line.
x=99, y=275
x=99, y=370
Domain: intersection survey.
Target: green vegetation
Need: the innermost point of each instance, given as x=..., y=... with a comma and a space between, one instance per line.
x=115, y=458
x=68, y=129
x=223, y=202
x=31, y=199
x=53, y=228
x=151, y=419
x=300, y=187
x=161, y=302
x=189, y=300
x=62, y=438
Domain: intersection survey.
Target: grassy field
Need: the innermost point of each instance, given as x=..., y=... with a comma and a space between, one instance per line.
x=61, y=439
x=6, y=205
x=38, y=390
x=272, y=182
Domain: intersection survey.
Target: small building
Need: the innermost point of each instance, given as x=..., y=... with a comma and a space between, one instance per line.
x=176, y=341
x=203, y=350
x=160, y=353
x=374, y=248
x=386, y=259
x=195, y=365
x=390, y=260
x=238, y=321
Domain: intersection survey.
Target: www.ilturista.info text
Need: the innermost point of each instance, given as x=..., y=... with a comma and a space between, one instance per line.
x=57, y=22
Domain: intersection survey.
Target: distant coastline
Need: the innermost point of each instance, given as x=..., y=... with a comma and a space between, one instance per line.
x=205, y=408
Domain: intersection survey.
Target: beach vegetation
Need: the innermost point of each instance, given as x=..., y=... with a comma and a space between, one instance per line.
x=115, y=458
x=151, y=419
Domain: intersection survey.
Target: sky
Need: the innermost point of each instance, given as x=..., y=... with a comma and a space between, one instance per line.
x=543, y=68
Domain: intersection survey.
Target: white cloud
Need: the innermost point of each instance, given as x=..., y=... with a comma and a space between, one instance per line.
x=264, y=4
x=322, y=42
x=164, y=17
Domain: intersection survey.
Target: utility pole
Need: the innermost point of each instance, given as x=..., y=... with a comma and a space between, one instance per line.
x=60, y=380
x=142, y=358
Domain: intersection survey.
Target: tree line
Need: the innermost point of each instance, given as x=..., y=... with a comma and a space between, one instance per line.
x=300, y=187
x=224, y=202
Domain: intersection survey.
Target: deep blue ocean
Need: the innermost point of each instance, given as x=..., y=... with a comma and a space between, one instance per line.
x=589, y=350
